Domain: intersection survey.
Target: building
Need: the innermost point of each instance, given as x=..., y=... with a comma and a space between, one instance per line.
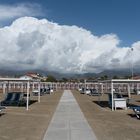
x=33, y=76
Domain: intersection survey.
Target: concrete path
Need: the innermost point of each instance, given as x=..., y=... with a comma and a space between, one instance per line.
x=68, y=122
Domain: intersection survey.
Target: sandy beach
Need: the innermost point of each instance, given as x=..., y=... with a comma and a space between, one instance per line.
x=18, y=124
x=109, y=125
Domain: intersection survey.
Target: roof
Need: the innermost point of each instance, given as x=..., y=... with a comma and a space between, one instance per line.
x=25, y=77
x=13, y=79
x=136, y=77
x=121, y=81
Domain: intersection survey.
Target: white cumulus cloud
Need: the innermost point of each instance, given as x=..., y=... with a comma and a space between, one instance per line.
x=19, y=10
x=30, y=43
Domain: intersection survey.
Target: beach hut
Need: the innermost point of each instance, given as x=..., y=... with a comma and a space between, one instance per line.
x=6, y=81
x=115, y=102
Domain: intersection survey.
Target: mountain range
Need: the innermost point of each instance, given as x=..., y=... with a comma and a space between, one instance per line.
x=57, y=75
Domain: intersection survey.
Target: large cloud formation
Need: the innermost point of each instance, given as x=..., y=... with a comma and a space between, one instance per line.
x=30, y=43
x=8, y=12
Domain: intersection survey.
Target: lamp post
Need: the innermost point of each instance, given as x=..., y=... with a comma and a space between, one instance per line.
x=132, y=65
x=85, y=86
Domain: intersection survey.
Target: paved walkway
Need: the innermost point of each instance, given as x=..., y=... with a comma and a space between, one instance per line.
x=68, y=122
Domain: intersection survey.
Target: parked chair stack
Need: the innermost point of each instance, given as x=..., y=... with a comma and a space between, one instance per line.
x=14, y=99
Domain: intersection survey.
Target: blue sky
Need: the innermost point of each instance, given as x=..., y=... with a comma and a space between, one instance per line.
x=113, y=25
x=99, y=16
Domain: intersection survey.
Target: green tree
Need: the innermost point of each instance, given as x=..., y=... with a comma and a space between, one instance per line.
x=64, y=80
x=105, y=77
x=127, y=77
x=51, y=78
x=115, y=77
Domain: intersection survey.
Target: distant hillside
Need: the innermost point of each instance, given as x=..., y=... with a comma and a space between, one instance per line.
x=119, y=73
x=109, y=73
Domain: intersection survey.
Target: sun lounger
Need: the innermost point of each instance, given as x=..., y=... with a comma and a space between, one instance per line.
x=13, y=98
x=82, y=91
x=18, y=97
x=45, y=90
x=136, y=110
x=94, y=92
x=1, y=109
x=8, y=99
x=48, y=90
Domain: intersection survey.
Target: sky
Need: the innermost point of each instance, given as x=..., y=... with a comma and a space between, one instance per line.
x=99, y=16
x=90, y=35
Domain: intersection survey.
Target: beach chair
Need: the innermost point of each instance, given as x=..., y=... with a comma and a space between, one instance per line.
x=94, y=92
x=18, y=97
x=8, y=99
x=42, y=91
x=12, y=98
x=45, y=90
x=82, y=91
x=136, y=110
x=23, y=100
x=48, y=90
x=35, y=92
x=1, y=109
